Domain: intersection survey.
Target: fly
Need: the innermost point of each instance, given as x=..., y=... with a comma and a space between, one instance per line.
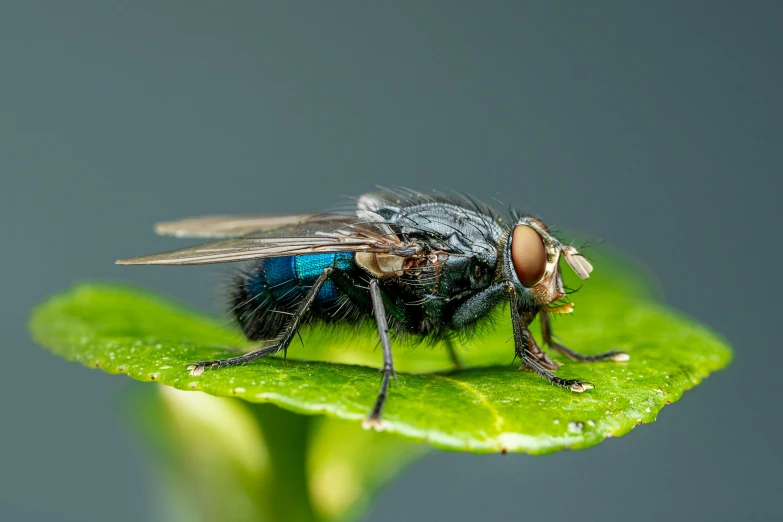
x=425, y=266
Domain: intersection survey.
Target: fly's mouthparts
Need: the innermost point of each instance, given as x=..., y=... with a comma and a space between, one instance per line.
x=566, y=308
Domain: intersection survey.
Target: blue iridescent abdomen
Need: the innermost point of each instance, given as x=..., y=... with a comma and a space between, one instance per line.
x=277, y=285
x=289, y=278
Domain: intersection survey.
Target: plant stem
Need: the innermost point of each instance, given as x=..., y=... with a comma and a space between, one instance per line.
x=286, y=435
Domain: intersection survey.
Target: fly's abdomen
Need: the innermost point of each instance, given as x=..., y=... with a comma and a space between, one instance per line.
x=271, y=290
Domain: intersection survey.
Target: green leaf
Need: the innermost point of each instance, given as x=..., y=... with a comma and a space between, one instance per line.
x=488, y=407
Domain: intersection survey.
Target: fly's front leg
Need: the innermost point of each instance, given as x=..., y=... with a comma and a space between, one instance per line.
x=533, y=350
x=526, y=348
x=546, y=334
x=282, y=342
x=374, y=419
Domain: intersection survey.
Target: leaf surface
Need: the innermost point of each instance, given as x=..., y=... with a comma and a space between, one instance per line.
x=489, y=406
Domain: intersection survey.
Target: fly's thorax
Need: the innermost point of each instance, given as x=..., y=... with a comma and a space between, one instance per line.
x=461, y=276
x=460, y=253
x=442, y=277
x=457, y=227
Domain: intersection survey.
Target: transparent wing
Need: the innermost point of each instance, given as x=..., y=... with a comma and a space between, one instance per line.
x=242, y=249
x=323, y=234
x=227, y=226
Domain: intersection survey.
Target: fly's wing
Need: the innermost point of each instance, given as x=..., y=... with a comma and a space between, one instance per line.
x=227, y=226
x=318, y=235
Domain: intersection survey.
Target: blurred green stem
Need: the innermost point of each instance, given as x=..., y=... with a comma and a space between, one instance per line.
x=227, y=460
x=287, y=435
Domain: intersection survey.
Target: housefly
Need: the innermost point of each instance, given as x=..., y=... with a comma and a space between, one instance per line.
x=431, y=267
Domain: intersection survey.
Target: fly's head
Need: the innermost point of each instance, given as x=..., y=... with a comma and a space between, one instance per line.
x=531, y=258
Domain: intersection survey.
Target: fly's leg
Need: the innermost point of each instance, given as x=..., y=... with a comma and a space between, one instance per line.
x=481, y=304
x=524, y=345
x=534, y=351
x=282, y=342
x=526, y=349
x=453, y=355
x=546, y=333
x=374, y=419
x=199, y=367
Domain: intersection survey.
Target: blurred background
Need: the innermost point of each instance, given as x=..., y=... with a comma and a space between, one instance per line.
x=655, y=126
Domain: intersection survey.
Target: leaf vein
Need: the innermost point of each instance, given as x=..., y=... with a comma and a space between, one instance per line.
x=499, y=420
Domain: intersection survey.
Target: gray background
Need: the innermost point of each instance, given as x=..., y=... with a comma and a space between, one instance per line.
x=656, y=126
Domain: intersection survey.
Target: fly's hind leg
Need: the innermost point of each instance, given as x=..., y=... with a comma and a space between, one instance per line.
x=199, y=367
x=374, y=419
x=546, y=333
x=282, y=342
x=453, y=355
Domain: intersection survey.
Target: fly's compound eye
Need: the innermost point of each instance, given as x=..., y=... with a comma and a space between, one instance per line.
x=528, y=255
